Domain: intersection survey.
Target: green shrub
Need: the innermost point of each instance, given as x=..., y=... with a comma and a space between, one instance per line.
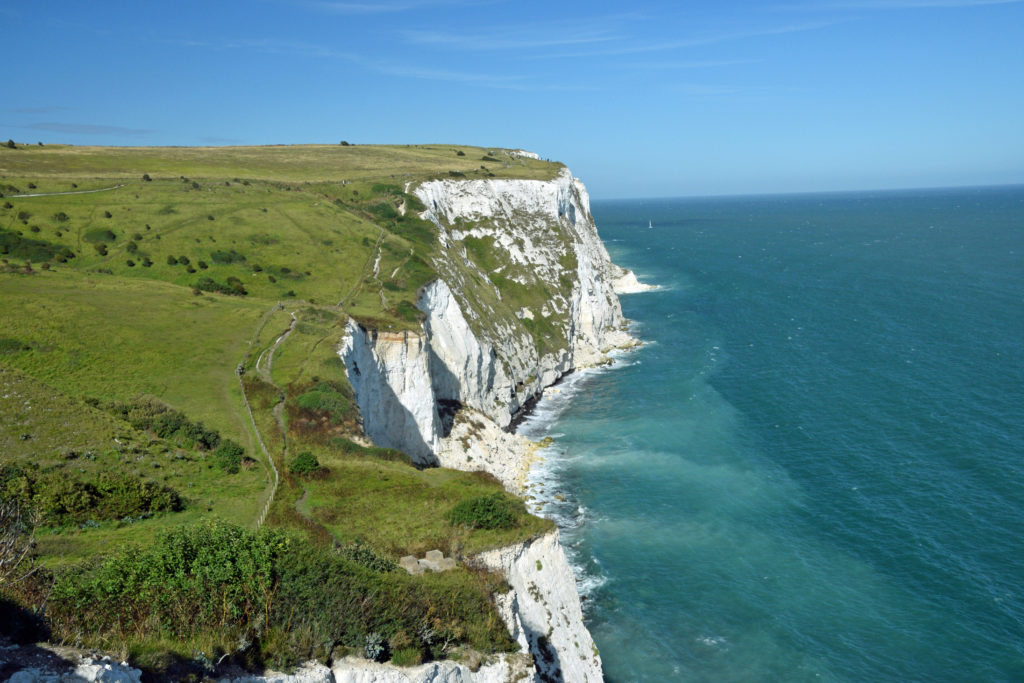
x=172, y=261
x=323, y=398
x=374, y=647
x=493, y=511
x=228, y=456
x=226, y=257
x=61, y=497
x=16, y=246
x=233, y=287
x=365, y=556
x=222, y=584
x=100, y=235
x=304, y=463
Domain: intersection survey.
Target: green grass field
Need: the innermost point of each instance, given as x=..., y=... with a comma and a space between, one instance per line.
x=159, y=289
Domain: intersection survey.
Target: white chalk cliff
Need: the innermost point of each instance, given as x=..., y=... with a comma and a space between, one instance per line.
x=526, y=293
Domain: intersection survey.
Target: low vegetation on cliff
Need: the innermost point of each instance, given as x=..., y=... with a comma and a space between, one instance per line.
x=168, y=353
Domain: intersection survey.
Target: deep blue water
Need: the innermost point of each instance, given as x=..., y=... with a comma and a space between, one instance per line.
x=814, y=470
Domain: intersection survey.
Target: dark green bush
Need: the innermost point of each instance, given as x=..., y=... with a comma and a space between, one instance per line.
x=16, y=246
x=325, y=398
x=228, y=456
x=363, y=555
x=220, y=581
x=226, y=257
x=100, y=235
x=384, y=211
x=233, y=287
x=61, y=497
x=304, y=463
x=493, y=511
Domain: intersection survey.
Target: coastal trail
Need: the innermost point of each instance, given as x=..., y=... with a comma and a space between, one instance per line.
x=263, y=370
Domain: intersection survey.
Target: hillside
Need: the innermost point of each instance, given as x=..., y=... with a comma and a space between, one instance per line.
x=148, y=296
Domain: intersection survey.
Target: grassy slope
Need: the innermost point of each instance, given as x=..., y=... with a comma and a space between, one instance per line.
x=308, y=221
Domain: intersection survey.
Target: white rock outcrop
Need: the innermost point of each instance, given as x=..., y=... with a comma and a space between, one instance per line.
x=478, y=349
x=503, y=669
x=87, y=670
x=543, y=609
x=390, y=373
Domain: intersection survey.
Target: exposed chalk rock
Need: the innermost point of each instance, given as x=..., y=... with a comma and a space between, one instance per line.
x=546, y=609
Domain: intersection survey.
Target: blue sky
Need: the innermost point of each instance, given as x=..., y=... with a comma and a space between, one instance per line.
x=639, y=99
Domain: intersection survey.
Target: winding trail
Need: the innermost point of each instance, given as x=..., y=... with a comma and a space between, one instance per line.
x=54, y=194
x=264, y=373
x=367, y=267
x=277, y=411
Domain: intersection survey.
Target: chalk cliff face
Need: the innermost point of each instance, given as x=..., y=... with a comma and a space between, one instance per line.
x=526, y=293
x=543, y=609
x=390, y=373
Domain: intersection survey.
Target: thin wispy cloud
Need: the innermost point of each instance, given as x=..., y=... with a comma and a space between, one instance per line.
x=506, y=42
x=691, y=64
x=697, y=40
x=384, y=67
x=269, y=46
x=86, y=128
x=501, y=82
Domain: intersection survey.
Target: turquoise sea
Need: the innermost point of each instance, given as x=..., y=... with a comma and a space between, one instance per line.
x=814, y=468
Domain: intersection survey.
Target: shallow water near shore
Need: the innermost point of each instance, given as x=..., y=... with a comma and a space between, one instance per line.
x=813, y=469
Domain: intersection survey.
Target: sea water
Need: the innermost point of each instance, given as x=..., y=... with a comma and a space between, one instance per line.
x=813, y=470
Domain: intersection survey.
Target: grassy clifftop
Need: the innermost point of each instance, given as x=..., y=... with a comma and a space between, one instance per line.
x=283, y=163
x=148, y=296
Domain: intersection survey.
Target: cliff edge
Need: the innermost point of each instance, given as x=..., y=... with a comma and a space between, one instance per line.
x=526, y=293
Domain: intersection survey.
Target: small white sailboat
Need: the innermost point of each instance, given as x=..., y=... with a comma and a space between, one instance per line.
x=649, y=226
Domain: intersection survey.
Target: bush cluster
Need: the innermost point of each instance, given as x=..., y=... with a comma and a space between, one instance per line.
x=304, y=463
x=61, y=498
x=326, y=399
x=226, y=257
x=232, y=286
x=261, y=594
x=493, y=511
x=15, y=246
x=170, y=424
